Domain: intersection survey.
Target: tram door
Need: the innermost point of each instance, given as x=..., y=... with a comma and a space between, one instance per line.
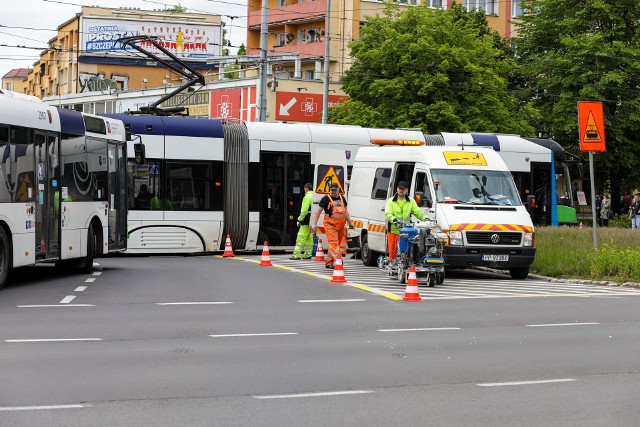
x=283, y=178
x=48, y=196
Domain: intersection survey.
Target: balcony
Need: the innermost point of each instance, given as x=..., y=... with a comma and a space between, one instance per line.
x=296, y=13
x=306, y=50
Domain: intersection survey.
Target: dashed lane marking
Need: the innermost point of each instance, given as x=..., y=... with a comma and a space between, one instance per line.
x=68, y=299
x=559, y=380
x=40, y=408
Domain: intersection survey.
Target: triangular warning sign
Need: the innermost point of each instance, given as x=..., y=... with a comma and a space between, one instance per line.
x=331, y=177
x=23, y=192
x=592, y=134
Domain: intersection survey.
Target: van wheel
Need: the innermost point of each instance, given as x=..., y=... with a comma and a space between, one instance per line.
x=85, y=266
x=5, y=257
x=368, y=256
x=519, y=273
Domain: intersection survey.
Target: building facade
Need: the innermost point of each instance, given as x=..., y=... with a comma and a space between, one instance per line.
x=84, y=55
x=15, y=79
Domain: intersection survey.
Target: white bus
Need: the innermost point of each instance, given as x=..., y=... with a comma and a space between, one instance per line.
x=204, y=179
x=62, y=185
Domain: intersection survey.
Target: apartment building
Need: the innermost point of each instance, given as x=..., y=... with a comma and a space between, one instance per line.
x=84, y=56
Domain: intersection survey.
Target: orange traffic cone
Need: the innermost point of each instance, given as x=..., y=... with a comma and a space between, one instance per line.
x=228, y=250
x=338, y=271
x=319, y=252
x=412, y=294
x=265, y=261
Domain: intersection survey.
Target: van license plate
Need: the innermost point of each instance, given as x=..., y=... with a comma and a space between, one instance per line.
x=495, y=257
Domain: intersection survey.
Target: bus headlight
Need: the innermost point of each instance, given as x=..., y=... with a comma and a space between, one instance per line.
x=528, y=239
x=455, y=238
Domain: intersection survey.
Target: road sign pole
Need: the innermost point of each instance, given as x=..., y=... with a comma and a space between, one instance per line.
x=593, y=201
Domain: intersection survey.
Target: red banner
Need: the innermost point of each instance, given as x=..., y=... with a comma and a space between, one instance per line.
x=302, y=107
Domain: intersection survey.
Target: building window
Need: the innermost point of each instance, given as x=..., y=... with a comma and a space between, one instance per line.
x=517, y=8
x=282, y=3
x=433, y=3
x=280, y=39
x=309, y=74
x=490, y=7
x=7, y=86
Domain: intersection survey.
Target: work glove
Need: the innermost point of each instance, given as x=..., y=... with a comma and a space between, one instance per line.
x=396, y=221
x=298, y=223
x=351, y=227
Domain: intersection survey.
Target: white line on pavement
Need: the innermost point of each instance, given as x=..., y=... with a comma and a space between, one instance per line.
x=97, y=273
x=418, y=329
x=90, y=280
x=332, y=300
x=52, y=340
x=40, y=408
x=254, y=335
x=559, y=380
x=328, y=393
x=562, y=324
x=68, y=299
x=195, y=303
x=80, y=289
x=55, y=305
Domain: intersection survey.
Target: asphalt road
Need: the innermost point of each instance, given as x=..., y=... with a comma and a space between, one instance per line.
x=204, y=341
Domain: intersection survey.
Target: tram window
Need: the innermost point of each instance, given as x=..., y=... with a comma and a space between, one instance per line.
x=190, y=186
x=254, y=182
x=144, y=183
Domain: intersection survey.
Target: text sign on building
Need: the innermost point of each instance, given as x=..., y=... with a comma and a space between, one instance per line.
x=302, y=107
x=184, y=39
x=591, y=126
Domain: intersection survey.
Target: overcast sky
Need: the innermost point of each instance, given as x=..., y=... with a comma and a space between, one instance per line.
x=32, y=23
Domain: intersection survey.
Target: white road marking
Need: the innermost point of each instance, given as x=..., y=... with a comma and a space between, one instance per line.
x=418, y=329
x=68, y=299
x=97, y=273
x=90, y=280
x=562, y=324
x=80, y=289
x=195, y=303
x=40, y=408
x=55, y=305
x=559, y=380
x=52, y=340
x=254, y=335
x=332, y=300
x=328, y=393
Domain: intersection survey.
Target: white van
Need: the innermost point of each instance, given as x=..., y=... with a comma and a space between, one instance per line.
x=467, y=190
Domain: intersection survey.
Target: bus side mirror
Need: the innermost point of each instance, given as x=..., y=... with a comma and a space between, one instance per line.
x=139, y=152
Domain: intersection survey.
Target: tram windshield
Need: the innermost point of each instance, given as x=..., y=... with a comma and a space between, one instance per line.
x=475, y=187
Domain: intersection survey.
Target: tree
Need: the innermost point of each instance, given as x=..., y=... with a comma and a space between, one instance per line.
x=177, y=8
x=587, y=50
x=438, y=70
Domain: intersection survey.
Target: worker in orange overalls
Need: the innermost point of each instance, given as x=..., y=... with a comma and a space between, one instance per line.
x=335, y=219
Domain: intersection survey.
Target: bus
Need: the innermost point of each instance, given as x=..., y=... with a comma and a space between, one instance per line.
x=203, y=179
x=62, y=185
x=534, y=163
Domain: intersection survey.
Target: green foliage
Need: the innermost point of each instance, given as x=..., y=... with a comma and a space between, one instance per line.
x=177, y=8
x=434, y=69
x=242, y=50
x=587, y=50
x=568, y=252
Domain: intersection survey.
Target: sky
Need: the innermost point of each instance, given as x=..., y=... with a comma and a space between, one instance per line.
x=31, y=23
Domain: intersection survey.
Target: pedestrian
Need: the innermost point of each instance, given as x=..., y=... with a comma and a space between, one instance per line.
x=399, y=208
x=304, y=240
x=143, y=199
x=598, y=208
x=634, y=212
x=336, y=217
x=605, y=211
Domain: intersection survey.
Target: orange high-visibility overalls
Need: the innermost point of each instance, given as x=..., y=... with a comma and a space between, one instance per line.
x=334, y=227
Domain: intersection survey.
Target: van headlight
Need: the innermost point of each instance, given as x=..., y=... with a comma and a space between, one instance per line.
x=528, y=239
x=455, y=238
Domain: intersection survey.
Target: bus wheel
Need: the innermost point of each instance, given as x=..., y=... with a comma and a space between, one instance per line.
x=86, y=264
x=519, y=273
x=5, y=257
x=368, y=256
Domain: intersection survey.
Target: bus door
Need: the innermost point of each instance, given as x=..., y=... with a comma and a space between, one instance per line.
x=48, y=197
x=117, y=196
x=283, y=179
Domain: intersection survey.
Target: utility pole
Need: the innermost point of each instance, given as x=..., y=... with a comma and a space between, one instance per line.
x=327, y=50
x=262, y=100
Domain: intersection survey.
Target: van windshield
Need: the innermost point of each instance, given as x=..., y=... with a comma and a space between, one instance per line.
x=475, y=187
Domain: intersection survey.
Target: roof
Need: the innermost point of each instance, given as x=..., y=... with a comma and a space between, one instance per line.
x=17, y=73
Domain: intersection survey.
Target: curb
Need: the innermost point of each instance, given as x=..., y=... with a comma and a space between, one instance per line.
x=577, y=281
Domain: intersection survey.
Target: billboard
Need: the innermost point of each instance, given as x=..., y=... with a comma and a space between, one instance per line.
x=302, y=107
x=231, y=105
x=187, y=40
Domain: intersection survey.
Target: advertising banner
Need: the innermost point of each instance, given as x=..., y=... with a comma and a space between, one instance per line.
x=302, y=107
x=183, y=39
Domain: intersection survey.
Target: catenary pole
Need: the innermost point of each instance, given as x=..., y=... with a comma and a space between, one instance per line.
x=264, y=33
x=327, y=50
